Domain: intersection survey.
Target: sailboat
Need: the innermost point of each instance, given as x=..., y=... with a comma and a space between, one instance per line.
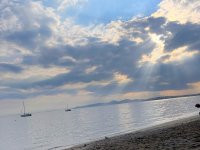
x=25, y=114
x=67, y=109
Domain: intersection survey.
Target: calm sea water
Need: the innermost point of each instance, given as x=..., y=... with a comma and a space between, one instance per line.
x=61, y=129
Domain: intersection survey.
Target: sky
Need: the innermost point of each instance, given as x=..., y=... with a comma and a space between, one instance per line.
x=54, y=53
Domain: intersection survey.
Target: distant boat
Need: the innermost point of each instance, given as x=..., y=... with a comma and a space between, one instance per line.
x=25, y=114
x=67, y=109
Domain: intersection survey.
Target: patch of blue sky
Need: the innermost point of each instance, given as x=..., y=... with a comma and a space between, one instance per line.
x=50, y=3
x=105, y=11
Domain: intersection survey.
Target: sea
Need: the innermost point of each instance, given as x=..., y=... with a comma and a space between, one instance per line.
x=55, y=130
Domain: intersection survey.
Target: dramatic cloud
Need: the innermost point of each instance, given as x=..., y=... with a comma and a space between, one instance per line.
x=43, y=53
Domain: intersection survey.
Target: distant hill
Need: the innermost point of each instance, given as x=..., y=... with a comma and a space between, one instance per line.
x=115, y=102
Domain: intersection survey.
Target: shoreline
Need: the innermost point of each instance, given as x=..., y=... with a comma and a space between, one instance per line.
x=179, y=134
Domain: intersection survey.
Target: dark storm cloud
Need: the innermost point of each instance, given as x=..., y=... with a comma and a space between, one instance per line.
x=36, y=30
x=96, y=51
x=109, y=59
x=5, y=67
x=161, y=77
x=30, y=38
x=170, y=76
x=73, y=77
x=155, y=25
x=183, y=35
x=112, y=58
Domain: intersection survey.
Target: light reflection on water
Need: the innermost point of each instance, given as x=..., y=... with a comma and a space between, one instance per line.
x=59, y=128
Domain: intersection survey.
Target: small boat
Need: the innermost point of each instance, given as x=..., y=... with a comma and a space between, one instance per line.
x=67, y=109
x=25, y=114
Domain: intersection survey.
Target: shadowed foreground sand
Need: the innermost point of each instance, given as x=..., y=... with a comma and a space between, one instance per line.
x=183, y=134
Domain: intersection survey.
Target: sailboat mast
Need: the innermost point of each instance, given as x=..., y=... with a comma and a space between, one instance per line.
x=24, y=107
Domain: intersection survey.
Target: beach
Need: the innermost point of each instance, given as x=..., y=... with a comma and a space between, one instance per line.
x=182, y=134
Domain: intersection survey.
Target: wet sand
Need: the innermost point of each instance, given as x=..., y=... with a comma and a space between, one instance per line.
x=183, y=134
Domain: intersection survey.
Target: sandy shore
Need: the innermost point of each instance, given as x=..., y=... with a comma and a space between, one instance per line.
x=183, y=134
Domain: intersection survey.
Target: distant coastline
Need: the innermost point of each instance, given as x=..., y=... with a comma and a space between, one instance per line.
x=115, y=102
